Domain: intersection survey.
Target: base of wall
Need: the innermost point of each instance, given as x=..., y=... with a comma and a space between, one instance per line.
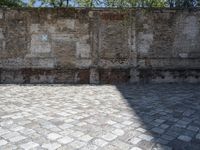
x=96, y=76
x=169, y=75
x=33, y=76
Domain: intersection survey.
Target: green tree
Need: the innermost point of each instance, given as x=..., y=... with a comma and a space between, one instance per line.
x=153, y=3
x=11, y=3
x=51, y=3
x=90, y=3
x=120, y=3
x=182, y=3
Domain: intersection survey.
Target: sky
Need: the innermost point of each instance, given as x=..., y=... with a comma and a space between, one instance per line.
x=37, y=4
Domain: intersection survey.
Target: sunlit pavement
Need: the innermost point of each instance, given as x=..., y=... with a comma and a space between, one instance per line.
x=104, y=117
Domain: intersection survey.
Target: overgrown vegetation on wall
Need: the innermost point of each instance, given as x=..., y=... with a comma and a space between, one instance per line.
x=102, y=3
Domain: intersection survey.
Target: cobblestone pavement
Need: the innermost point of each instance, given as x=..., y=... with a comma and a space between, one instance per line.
x=125, y=117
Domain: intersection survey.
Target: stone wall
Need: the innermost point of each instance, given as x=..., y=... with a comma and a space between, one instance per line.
x=99, y=46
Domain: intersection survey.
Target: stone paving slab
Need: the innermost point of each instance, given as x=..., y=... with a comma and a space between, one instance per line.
x=104, y=117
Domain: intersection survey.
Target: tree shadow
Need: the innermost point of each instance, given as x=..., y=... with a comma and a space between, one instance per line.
x=169, y=113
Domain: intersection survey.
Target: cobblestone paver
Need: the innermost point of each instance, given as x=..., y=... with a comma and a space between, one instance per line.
x=104, y=117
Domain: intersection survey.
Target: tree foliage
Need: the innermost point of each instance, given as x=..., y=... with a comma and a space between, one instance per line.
x=11, y=3
x=105, y=3
x=51, y=3
x=136, y=3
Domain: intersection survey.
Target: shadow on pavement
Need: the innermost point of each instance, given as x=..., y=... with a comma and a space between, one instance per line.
x=169, y=113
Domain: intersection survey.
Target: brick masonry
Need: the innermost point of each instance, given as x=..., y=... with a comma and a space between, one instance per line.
x=99, y=45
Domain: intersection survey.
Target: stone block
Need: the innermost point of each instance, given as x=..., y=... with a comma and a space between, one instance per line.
x=82, y=76
x=34, y=28
x=1, y=14
x=37, y=62
x=94, y=76
x=11, y=76
x=144, y=42
x=40, y=44
x=83, y=63
x=82, y=50
x=63, y=24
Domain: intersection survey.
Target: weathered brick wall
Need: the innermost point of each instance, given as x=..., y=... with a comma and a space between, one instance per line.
x=99, y=46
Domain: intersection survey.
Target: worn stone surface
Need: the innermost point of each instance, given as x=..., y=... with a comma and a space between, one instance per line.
x=156, y=45
x=123, y=117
